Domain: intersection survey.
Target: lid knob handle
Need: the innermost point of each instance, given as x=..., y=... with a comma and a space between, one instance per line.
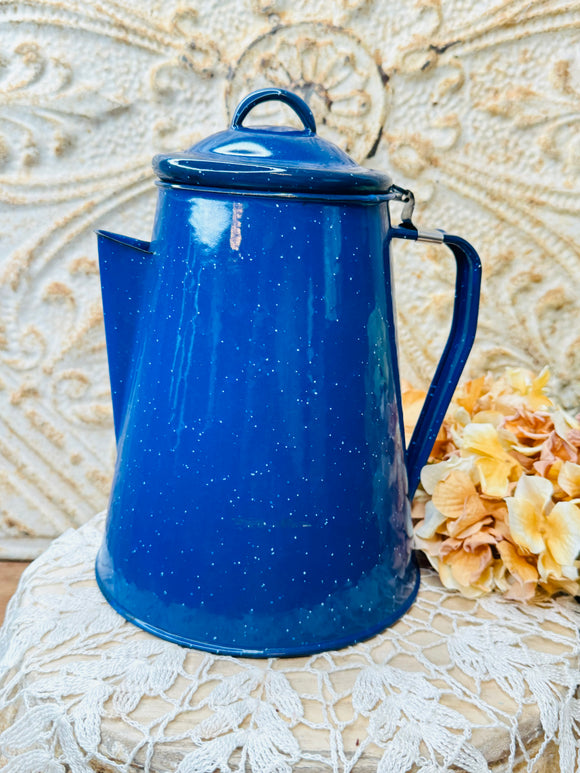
x=265, y=95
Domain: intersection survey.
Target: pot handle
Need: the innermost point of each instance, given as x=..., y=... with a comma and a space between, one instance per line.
x=457, y=348
x=281, y=95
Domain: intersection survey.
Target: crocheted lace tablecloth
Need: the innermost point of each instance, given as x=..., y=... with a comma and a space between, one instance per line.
x=454, y=685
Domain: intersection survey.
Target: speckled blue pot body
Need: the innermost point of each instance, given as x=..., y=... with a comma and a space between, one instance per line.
x=260, y=501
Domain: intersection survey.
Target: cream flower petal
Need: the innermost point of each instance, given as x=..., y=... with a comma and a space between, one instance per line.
x=569, y=479
x=532, y=390
x=431, y=547
x=517, y=379
x=432, y=521
x=570, y=572
x=418, y=506
x=434, y=561
x=538, y=491
x=563, y=533
x=535, y=396
x=456, y=433
x=555, y=586
x=494, y=476
x=500, y=576
x=446, y=577
x=526, y=512
x=548, y=567
x=542, y=379
x=459, y=416
x=493, y=462
x=487, y=579
x=551, y=570
x=431, y=474
x=483, y=439
x=495, y=418
x=507, y=437
x=528, y=450
x=564, y=422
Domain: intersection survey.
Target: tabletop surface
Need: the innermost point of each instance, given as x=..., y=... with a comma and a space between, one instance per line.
x=10, y=573
x=473, y=685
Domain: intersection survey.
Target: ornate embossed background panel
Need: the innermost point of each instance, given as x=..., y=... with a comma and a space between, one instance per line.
x=473, y=106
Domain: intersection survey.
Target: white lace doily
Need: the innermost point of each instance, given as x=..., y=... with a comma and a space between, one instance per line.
x=455, y=685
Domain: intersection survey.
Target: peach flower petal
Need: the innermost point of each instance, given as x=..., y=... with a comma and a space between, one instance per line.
x=456, y=495
x=518, y=591
x=467, y=566
x=556, y=448
x=501, y=530
x=474, y=517
x=483, y=586
x=482, y=536
x=449, y=545
x=412, y=401
x=463, y=530
x=470, y=393
x=529, y=426
x=548, y=469
x=516, y=564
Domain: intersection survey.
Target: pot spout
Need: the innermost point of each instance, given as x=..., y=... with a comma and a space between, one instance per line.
x=123, y=264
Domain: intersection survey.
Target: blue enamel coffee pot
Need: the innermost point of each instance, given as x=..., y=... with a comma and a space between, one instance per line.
x=260, y=502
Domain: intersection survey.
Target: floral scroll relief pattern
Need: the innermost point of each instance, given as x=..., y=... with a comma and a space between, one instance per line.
x=56, y=109
x=497, y=157
x=475, y=109
x=328, y=68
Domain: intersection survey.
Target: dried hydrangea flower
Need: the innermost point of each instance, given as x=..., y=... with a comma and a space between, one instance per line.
x=498, y=504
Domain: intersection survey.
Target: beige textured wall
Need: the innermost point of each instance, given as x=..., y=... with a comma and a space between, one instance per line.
x=475, y=106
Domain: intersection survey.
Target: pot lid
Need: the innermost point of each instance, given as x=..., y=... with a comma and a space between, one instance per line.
x=270, y=158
